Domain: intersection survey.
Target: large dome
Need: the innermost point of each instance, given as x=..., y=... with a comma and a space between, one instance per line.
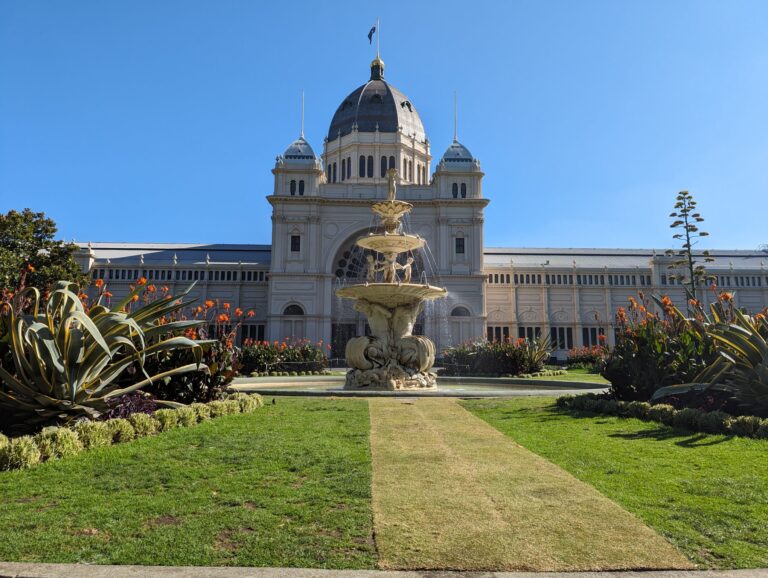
x=376, y=104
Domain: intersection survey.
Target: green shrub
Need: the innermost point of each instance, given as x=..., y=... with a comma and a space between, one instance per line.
x=609, y=406
x=217, y=408
x=3, y=441
x=186, y=416
x=144, y=425
x=93, y=434
x=232, y=406
x=58, y=442
x=762, y=431
x=21, y=452
x=564, y=401
x=745, y=425
x=639, y=409
x=167, y=418
x=687, y=418
x=248, y=402
x=202, y=411
x=121, y=430
x=663, y=413
x=717, y=422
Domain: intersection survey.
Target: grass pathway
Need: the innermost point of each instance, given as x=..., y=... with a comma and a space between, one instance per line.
x=450, y=491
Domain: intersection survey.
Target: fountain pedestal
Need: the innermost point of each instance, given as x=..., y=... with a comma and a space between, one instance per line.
x=392, y=358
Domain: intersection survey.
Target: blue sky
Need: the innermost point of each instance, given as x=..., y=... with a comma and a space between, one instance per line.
x=160, y=120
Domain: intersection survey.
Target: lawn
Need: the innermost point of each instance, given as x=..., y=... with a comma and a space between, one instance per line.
x=288, y=485
x=707, y=494
x=580, y=375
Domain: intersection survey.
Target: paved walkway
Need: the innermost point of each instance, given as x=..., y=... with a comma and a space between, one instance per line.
x=17, y=570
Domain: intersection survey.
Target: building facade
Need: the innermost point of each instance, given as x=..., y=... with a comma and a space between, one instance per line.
x=321, y=205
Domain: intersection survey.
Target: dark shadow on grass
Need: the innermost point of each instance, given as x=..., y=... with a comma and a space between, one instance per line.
x=665, y=433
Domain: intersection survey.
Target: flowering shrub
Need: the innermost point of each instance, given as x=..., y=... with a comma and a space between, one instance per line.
x=494, y=358
x=655, y=350
x=590, y=358
x=289, y=355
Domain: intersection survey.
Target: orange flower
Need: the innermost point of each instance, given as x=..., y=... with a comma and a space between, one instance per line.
x=223, y=318
x=107, y=294
x=164, y=289
x=601, y=338
x=135, y=298
x=632, y=303
x=239, y=312
x=251, y=313
x=141, y=281
x=83, y=297
x=621, y=316
x=151, y=288
x=727, y=297
x=226, y=306
x=229, y=344
x=30, y=268
x=693, y=302
x=99, y=283
x=208, y=304
x=666, y=301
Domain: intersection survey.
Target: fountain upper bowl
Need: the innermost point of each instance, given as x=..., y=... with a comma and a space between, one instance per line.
x=392, y=294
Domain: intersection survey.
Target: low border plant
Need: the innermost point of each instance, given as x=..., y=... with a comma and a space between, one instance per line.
x=60, y=442
x=713, y=422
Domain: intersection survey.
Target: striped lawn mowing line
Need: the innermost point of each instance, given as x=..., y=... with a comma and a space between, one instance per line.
x=450, y=491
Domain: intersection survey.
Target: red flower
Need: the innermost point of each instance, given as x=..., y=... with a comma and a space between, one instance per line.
x=99, y=283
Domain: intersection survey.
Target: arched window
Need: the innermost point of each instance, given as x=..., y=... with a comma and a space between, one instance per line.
x=383, y=166
x=463, y=190
x=293, y=187
x=370, y=166
x=460, y=312
x=334, y=172
x=343, y=169
x=328, y=173
x=361, y=167
x=293, y=310
x=301, y=187
x=349, y=167
x=391, y=162
x=455, y=190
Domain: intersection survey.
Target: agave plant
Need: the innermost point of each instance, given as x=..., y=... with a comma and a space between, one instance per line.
x=741, y=368
x=68, y=360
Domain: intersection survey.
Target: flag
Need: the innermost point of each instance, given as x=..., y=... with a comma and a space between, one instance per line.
x=371, y=32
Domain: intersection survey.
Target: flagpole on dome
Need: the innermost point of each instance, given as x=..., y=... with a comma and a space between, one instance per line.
x=378, y=35
x=302, y=113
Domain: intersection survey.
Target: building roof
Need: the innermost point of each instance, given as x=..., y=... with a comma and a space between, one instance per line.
x=614, y=258
x=184, y=253
x=376, y=105
x=299, y=150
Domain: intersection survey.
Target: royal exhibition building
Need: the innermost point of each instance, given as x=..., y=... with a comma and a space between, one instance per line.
x=321, y=206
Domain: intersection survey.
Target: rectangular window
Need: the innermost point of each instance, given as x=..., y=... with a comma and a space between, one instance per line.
x=459, y=245
x=295, y=243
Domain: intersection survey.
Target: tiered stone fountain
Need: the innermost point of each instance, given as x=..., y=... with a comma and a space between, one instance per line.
x=392, y=358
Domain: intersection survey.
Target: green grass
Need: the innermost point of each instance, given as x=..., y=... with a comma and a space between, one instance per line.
x=289, y=485
x=580, y=375
x=707, y=494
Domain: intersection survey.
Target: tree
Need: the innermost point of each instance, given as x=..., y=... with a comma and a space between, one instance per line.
x=29, y=254
x=686, y=220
